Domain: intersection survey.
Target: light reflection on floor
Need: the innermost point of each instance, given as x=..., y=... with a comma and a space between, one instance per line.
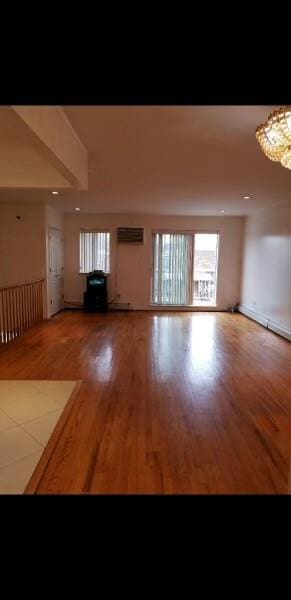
x=201, y=341
x=196, y=339
x=102, y=365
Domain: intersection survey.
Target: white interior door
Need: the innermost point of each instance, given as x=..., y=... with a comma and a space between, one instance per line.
x=56, y=271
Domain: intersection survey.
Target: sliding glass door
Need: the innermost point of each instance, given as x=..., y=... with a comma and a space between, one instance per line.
x=185, y=269
x=205, y=269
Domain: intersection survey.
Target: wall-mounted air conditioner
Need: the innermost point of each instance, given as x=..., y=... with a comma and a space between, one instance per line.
x=130, y=235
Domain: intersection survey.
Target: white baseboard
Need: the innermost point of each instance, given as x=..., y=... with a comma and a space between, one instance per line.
x=263, y=320
x=252, y=314
x=286, y=333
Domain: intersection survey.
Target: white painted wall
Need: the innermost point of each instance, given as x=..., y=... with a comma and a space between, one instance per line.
x=22, y=249
x=131, y=266
x=266, y=276
x=24, y=244
x=53, y=217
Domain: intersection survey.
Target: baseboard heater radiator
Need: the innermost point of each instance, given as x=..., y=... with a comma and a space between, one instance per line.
x=275, y=327
x=116, y=306
x=120, y=306
x=73, y=305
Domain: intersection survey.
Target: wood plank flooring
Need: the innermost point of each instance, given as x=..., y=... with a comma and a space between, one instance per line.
x=177, y=403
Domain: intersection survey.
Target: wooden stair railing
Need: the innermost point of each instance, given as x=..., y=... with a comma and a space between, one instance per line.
x=21, y=307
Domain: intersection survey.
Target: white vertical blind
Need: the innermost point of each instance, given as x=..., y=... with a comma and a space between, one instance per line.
x=173, y=268
x=94, y=251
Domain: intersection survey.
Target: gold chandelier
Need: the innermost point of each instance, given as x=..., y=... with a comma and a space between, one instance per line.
x=274, y=136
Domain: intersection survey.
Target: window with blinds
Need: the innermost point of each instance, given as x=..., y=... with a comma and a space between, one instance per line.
x=173, y=268
x=94, y=251
x=185, y=268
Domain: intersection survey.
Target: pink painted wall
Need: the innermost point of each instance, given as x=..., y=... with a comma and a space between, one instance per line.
x=131, y=266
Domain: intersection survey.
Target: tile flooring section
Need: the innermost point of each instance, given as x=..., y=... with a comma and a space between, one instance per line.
x=29, y=411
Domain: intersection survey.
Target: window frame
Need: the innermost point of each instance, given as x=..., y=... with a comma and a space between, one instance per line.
x=214, y=305
x=90, y=230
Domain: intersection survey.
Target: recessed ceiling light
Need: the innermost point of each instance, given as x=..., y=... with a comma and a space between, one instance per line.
x=55, y=193
x=77, y=209
x=246, y=197
x=222, y=211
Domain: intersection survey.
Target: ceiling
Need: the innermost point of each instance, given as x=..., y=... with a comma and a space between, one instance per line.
x=183, y=160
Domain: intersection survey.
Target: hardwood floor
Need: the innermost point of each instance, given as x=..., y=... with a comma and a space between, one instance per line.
x=169, y=402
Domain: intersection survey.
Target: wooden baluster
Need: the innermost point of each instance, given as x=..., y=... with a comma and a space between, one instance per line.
x=5, y=315
x=35, y=302
x=18, y=310
x=22, y=309
x=41, y=300
x=25, y=308
x=15, y=312
x=1, y=319
x=12, y=313
x=32, y=308
x=29, y=306
x=32, y=297
x=9, y=314
x=13, y=307
x=32, y=304
x=38, y=296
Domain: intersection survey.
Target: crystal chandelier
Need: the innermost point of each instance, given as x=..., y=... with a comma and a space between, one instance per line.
x=274, y=136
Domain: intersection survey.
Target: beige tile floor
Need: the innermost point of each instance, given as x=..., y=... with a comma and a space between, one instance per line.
x=29, y=411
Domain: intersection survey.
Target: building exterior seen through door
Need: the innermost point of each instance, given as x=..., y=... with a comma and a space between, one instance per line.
x=56, y=271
